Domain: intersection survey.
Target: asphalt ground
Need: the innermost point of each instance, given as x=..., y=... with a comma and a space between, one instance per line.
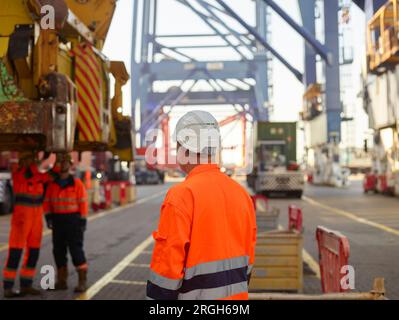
x=118, y=243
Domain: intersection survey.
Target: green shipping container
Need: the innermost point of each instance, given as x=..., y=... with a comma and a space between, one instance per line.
x=283, y=133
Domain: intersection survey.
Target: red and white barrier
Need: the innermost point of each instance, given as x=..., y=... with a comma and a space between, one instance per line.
x=333, y=255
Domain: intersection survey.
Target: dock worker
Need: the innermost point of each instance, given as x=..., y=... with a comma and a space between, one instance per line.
x=205, y=242
x=66, y=210
x=26, y=223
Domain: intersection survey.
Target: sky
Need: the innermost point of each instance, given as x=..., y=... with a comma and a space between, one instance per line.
x=174, y=18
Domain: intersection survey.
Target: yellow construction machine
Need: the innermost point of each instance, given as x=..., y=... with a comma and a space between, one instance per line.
x=55, y=80
x=55, y=85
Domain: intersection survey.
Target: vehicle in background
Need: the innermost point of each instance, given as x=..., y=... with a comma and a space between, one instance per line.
x=175, y=173
x=275, y=168
x=146, y=173
x=6, y=193
x=357, y=160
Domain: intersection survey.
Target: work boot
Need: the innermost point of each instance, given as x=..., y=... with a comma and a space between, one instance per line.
x=10, y=293
x=62, y=277
x=82, y=285
x=30, y=291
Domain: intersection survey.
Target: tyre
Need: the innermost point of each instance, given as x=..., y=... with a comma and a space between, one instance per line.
x=266, y=194
x=297, y=194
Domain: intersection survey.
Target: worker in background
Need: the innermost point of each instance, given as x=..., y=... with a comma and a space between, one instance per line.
x=66, y=209
x=26, y=224
x=205, y=242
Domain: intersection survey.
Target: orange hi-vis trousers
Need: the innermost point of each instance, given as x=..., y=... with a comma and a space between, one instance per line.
x=26, y=225
x=26, y=233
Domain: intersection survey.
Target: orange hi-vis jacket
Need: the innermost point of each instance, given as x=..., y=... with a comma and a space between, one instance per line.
x=26, y=222
x=67, y=199
x=28, y=186
x=205, y=242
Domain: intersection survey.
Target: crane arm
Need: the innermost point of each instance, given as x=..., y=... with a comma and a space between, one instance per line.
x=231, y=119
x=96, y=15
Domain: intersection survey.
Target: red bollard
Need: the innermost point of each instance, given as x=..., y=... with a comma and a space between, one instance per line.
x=262, y=198
x=333, y=255
x=383, y=183
x=108, y=194
x=295, y=219
x=123, y=199
x=370, y=182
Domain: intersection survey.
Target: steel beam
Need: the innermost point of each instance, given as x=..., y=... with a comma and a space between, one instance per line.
x=227, y=94
x=307, y=36
x=173, y=96
x=176, y=102
x=213, y=7
x=207, y=7
x=134, y=70
x=308, y=21
x=145, y=30
x=145, y=83
x=332, y=88
x=175, y=50
x=199, y=35
x=153, y=31
x=172, y=70
x=261, y=40
x=206, y=97
x=261, y=111
x=210, y=25
x=204, y=46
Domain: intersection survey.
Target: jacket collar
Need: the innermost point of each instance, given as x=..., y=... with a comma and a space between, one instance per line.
x=28, y=173
x=31, y=171
x=70, y=181
x=203, y=168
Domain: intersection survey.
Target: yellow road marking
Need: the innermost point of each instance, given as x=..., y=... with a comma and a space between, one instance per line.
x=312, y=263
x=105, y=213
x=147, y=252
x=135, y=283
x=115, y=271
x=351, y=216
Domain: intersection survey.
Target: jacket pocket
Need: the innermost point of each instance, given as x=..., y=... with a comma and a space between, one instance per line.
x=160, y=246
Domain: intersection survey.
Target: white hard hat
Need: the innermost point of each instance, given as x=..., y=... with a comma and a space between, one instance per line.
x=198, y=132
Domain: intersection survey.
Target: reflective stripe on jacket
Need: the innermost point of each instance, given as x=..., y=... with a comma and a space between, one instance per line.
x=205, y=242
x=29, y=184
x=66, y=199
